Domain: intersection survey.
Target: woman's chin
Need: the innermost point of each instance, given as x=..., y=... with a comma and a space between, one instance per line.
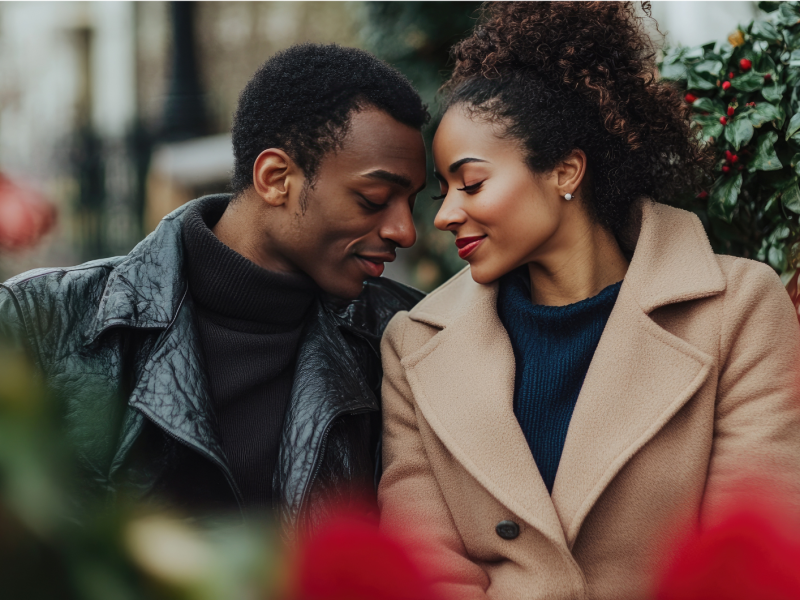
x=483, y=274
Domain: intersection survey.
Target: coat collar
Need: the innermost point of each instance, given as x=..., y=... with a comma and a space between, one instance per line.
x=146, y=289
x=463, y=378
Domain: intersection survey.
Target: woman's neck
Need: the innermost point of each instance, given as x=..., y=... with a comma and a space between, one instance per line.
x=581, y=259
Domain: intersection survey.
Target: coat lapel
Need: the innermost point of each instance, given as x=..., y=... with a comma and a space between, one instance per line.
x=641, y=375
x=463, y=382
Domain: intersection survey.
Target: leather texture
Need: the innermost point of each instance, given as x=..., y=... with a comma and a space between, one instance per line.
x=117, y=342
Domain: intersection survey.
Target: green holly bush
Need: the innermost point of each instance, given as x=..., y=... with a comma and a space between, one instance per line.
x=745, y=99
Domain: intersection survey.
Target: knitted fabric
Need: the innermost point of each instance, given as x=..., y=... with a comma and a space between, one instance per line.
x=553, y=347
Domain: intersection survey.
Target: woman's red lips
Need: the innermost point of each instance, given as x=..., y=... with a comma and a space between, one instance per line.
x=467, y=245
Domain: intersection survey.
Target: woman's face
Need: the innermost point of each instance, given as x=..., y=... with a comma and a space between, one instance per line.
x=503, y=216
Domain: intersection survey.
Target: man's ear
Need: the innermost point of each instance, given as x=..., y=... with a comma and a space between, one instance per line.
x=274, y=173
x=570, y=172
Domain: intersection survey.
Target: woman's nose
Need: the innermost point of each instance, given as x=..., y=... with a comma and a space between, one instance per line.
x=450, y=215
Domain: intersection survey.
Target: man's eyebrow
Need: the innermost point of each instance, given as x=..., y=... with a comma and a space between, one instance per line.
x=457, y=165
x=395, y=178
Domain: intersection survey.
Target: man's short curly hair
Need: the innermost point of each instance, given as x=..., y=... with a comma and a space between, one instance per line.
x=581, y=75
x=301, y=100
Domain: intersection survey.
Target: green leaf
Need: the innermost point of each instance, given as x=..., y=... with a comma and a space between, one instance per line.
x=795, y=163
x=768, y=7
x=692, y=53
x=794, y=58
x=709, y=106
x=764, y=30
x=764, y=112
x=791, y=198
x=695, y=82
x=739, y=131
x=723, y=196
x=764, y=63
x=749, y=82
x=788, y=14
x=672, y=71
x=766, y=159
x=712, y=67
x=776, y=257
x=773, y=93
x=794, y=126
x=711, y=126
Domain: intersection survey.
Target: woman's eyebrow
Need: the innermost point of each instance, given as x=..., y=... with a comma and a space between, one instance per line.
x=457, y=165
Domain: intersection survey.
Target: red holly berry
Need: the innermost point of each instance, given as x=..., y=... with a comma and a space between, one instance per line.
x=703, y=195
x=690, y=98
x=731, y=75
x=731, y=110
x=734, y=158
x=745, y=64
x=723, y=120
x=725, y=168
x=767, y=77
x=728, y=155
x=726, y=85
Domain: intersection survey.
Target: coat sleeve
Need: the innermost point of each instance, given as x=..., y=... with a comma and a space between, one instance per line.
x=756, y=448
x=411, y=502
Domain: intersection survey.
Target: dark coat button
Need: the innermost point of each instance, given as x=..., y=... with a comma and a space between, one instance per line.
x=508, y=530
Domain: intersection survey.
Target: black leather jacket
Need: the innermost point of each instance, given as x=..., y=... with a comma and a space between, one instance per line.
x=117, y=342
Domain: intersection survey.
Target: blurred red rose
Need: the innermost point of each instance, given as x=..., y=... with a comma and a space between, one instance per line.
x=754, y=553
x=351, y=559
x=24, y=216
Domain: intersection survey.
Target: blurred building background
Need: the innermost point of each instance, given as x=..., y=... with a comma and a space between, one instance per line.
x=118, y=112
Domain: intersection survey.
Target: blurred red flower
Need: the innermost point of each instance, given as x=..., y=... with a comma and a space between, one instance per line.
x=351, y=559
x=752, y=554
x=24, y=216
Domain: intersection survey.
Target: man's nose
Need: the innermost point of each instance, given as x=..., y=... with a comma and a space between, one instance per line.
x=450, y=215
x=398, y=226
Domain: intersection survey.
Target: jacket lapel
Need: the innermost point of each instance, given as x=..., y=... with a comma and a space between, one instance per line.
x=640, y=375
x=463, y=382
x=148, y=291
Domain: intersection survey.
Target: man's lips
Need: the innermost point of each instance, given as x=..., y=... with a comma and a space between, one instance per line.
x=373, y=263
x=467, y=245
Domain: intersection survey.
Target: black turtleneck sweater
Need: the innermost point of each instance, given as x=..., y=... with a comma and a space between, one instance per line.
x=250, y=322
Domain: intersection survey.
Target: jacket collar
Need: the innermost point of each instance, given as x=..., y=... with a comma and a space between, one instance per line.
x=146, y=289
x=463, y=378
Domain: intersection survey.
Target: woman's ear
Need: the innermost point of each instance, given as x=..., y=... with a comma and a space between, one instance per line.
x=273, y=172
x=570, y=172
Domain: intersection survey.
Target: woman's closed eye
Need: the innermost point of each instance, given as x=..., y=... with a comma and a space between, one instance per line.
x=471, y=189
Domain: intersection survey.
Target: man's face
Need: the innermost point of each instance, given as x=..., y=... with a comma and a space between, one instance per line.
x=358, y=210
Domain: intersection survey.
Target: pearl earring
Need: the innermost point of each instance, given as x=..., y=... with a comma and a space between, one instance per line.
x=567, y=197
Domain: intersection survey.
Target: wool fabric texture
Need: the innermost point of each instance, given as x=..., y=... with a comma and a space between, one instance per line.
x=250, y=322
x=553, y=347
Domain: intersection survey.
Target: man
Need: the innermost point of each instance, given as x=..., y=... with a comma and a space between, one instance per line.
x=231, y=359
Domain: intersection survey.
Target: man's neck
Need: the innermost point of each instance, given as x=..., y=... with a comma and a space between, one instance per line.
x=241, y=229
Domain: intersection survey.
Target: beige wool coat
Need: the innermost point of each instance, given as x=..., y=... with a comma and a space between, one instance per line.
x=692, y=387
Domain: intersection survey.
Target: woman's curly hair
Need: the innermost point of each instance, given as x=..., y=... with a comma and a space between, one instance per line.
x=581, y=75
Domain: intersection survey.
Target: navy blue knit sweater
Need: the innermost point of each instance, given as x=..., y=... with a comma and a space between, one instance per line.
x=553, y=347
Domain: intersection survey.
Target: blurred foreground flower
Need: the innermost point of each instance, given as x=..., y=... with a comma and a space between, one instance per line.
x=351, y=559
x=752, y=554
x=24, y=216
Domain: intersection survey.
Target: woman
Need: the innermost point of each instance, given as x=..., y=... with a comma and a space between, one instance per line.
x=598, y=381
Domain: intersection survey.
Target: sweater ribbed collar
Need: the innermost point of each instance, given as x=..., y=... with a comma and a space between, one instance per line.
x=225, y=283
